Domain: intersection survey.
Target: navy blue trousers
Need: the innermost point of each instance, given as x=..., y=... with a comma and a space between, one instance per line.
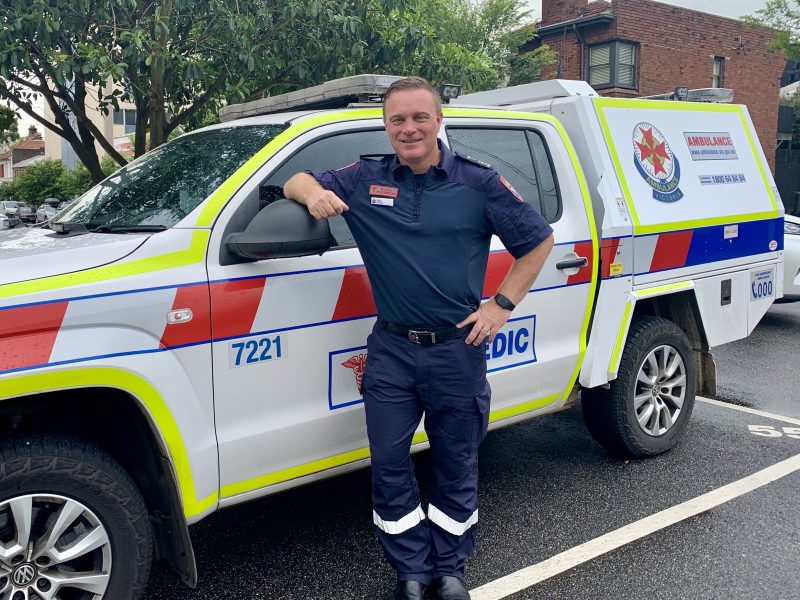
x=447, y=383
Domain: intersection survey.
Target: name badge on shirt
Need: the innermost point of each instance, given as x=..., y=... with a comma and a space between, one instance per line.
x=384, y=190
x=381, y=201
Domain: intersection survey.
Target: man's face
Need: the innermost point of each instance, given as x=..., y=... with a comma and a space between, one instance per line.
x=412, y=122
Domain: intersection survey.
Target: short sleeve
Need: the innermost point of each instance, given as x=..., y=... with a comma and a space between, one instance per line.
x=341, y=182
x=514, y=221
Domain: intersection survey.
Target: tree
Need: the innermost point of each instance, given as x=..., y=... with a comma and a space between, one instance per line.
x=472, y=42
x=53, y=49
x=174, y=58
x=39, y=181
x=72, y=184
x=8, y=190
x=783, y=16
x=179, y=60
x=8, y=125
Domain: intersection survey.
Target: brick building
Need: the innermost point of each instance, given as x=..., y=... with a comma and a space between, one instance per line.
x=630, y=48
x=14, y=160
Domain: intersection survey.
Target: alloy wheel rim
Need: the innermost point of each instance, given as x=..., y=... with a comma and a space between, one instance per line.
x=660, y=390
x=50, y=544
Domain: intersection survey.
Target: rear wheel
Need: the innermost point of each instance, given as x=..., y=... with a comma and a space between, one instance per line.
x=647, y=408
x=73, y=526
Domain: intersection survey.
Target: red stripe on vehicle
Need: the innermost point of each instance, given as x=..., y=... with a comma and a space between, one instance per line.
x=496, y=271
x=355, y=296
x=608, y=253
x=234, y=305
x=28, y=334
x=196, y=299
x=671, y=250
x=584, y=274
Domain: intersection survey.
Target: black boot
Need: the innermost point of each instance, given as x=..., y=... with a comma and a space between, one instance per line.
x=410, y=590
x=449, y=587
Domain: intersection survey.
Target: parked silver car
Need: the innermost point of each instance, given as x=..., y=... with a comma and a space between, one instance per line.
x=9, y=208
x=48, y=209
x=8, y=222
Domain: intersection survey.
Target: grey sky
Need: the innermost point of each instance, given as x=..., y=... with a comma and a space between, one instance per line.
x=726, y=8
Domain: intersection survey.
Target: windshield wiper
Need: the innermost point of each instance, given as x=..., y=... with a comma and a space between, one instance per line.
x=126, y=228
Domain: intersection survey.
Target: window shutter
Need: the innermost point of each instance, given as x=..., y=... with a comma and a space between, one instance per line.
x=601, y=55
x=627, y=54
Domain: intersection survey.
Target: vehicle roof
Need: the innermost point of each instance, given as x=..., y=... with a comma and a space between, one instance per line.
x=287, y=118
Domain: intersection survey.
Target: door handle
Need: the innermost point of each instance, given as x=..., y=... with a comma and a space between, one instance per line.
x=572, y=263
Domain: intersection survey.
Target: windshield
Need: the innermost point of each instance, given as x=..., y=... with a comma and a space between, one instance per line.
x=11, y=204
x=165, y=185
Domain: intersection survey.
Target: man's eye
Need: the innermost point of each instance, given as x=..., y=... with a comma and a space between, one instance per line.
x=396, y=121
x=421, y=118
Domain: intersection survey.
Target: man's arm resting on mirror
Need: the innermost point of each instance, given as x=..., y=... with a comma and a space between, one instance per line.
x=321, y=203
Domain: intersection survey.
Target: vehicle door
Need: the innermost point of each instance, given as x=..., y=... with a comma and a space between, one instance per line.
x=533, y=362
x=290, y=334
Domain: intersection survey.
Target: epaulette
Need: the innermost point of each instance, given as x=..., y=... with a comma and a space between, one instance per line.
x=374, y=156
x=474, y=160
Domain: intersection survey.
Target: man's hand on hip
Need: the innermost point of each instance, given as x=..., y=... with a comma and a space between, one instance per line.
x=487, y=320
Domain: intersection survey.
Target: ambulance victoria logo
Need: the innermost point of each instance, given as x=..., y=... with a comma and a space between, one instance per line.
x=357, y=364
x=656, y=163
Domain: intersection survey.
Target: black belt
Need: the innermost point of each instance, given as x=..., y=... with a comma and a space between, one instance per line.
x=422, y=335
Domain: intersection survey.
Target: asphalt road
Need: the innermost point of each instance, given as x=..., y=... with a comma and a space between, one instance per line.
x=546, y=487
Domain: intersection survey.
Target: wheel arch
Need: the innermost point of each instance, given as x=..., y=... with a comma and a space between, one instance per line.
x=677, y=303
x=54, y=403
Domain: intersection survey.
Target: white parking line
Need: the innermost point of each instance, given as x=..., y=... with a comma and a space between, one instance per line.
x=525, y=578
x=752, y=411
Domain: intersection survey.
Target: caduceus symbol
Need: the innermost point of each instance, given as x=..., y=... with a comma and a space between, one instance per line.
x=357, y=363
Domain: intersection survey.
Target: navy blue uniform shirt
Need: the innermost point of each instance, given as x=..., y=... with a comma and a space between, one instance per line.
x=425, y=239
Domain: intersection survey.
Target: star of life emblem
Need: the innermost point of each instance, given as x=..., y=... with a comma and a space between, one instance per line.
x=656, y=163
x=357, y=363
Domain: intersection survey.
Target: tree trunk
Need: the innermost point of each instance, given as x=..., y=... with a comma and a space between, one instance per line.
x=157, y=94
x=87, y=152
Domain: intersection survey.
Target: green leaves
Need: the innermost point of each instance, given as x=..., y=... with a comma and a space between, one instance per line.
x=784, y=16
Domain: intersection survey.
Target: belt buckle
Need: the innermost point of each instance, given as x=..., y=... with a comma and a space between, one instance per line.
x=418, y=336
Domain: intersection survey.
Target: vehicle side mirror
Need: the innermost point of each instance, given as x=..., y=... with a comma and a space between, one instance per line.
x=282, y=229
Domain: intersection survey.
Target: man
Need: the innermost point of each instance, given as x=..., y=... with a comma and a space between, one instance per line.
x=423, y=219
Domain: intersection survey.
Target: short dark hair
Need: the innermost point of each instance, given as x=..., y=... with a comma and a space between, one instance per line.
x=412, y=83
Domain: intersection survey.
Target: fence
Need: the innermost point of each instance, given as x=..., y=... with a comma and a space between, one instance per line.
x=787, y=178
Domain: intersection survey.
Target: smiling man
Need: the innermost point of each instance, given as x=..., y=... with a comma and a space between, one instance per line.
x=423, y=219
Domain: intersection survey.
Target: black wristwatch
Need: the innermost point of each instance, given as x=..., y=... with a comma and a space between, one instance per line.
x=503, y=302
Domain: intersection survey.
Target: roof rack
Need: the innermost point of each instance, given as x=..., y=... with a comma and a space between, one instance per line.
x=337, y=93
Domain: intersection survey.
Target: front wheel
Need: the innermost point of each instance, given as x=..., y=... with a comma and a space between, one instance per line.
x=72, y=523
x=647, y=408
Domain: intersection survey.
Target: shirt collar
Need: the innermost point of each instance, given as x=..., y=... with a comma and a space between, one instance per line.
x=446, y=158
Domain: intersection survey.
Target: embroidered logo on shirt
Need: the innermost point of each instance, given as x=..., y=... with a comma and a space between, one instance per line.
x=511, y=189
x=384, y=190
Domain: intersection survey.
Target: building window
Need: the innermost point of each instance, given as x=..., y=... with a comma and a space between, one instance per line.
x=718, y=74
x=126, y=117
x=2, y=171
x=612, y=64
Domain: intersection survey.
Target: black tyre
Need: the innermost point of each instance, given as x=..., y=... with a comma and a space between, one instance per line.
x=72, y=523
x=647, y=408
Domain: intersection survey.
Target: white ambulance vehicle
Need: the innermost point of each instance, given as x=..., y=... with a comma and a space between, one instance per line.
x=184, y=340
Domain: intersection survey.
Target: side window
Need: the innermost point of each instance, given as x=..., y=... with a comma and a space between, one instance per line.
x=519, y=155
x=324, y=154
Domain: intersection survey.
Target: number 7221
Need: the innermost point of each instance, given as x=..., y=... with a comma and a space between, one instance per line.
x=256, y=350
